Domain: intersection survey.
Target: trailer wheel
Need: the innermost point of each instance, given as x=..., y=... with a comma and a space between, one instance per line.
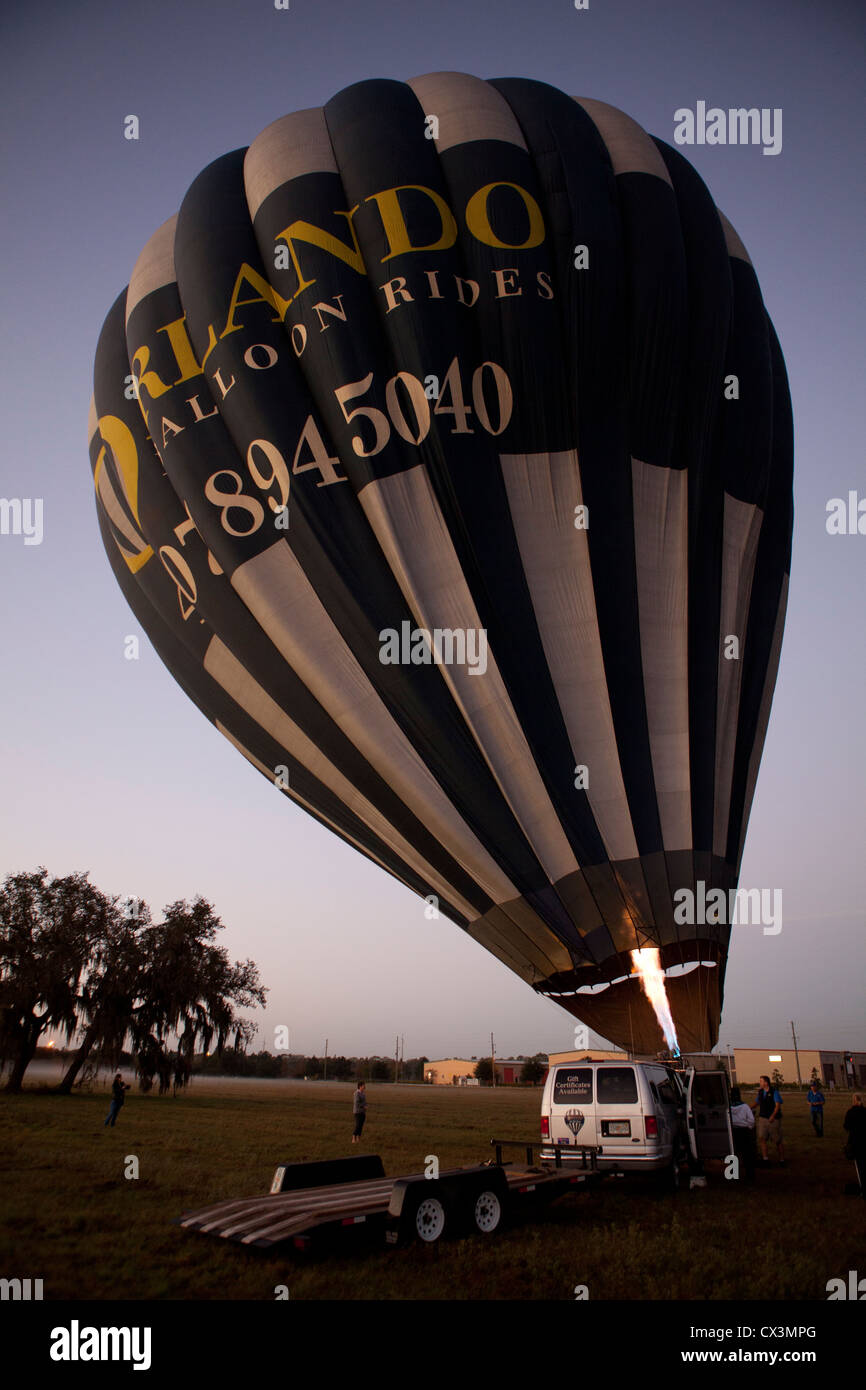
x=487, y=1212
x=429, y=1219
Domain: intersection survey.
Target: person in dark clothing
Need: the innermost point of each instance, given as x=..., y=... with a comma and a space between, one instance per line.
x=816, y=1108
x=359, y=1110
x=768, y=1107
x=118, y=1089
x=743, y=1131
x=855, y=1124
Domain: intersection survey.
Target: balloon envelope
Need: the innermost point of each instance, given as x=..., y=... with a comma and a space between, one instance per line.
x=442, y=447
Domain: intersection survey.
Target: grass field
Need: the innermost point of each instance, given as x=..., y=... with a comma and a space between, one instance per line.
x=70, y=1217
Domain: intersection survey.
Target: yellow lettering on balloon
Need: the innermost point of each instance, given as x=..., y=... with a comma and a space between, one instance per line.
x=182, y=348
x=266, y=294
x=119, y=443
x=478, y=221
x=148, y=379
x=315, y=236
x=394, y=222
x=117, y=436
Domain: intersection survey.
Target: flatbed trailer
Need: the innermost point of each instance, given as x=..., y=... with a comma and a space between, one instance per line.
x=309, y=1199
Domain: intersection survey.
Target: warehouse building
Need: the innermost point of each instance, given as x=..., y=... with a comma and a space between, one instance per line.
x=846, y=1070
x=457, y=1071
x=744, y=1065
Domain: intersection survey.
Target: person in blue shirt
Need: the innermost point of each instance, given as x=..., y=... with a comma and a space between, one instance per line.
x=816, y=1106
x=768, y=1108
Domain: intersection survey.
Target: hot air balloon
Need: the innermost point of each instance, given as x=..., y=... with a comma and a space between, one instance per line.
x=442, y=447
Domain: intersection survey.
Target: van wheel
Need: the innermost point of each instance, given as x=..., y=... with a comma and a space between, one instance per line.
x=487, y=1213
x=668, y=1179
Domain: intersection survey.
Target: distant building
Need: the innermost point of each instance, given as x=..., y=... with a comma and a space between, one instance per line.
x=744, y=1065
x=587, y=1054
x=846, y=1070
x=508, y=1070
x=457, y=1071
x=452, y=1071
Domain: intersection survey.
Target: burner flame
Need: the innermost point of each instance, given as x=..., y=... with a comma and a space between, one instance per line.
x=647, y=965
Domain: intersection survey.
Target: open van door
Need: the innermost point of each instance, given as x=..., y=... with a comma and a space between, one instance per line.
x=708, y=1111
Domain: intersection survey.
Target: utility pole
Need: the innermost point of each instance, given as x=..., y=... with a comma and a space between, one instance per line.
x=796, y=1054
x=325, y=1077
x=492, y=1059
x=396, y=1059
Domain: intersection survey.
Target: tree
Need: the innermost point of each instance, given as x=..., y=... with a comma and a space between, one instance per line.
x=47, y=927
x=111, y=985
x=533, y=1071
x=777, y=1077
x=189, y=988
x=484, y=1071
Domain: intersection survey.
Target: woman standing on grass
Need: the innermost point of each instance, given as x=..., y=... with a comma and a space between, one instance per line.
x=359, y=1110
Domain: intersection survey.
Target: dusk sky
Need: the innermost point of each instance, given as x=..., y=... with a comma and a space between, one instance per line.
x=108, y=767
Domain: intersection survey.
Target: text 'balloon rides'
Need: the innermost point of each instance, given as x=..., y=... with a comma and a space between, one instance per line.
x=443, y=449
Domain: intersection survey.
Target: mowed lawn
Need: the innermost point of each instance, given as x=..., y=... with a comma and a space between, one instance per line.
x=70, y=1217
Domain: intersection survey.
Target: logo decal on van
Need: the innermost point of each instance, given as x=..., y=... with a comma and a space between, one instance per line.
x=574, y=1120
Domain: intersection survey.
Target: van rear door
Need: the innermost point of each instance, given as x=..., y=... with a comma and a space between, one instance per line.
x=619, y=1109
x=572, y=1107
x=709, y=1115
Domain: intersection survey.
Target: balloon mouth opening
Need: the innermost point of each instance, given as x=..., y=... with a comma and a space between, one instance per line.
x=676, y=961
x=678, y=1012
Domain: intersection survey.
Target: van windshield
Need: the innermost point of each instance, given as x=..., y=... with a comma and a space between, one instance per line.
x=616, y=1086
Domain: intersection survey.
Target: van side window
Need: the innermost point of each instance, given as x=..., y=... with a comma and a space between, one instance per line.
x=710, y=1088
x=666, y=1093
x=573, y=1085
x=616, y=1086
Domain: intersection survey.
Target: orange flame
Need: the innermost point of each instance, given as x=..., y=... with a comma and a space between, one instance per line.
x=648, y=966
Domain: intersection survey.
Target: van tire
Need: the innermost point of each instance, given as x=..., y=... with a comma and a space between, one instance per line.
x=668, y=1179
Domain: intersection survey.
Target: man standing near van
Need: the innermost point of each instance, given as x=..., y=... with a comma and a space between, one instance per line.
x=768, y=1107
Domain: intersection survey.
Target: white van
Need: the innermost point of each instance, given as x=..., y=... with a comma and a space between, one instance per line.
x=638, y=1116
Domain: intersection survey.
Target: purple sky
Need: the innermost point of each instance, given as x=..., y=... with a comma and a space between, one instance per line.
x=107, y=766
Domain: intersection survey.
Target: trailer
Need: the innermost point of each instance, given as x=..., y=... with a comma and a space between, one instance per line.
x=309, y=1200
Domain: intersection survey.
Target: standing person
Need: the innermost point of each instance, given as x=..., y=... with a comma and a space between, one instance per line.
x=359, y=1110
x=855, y=1123
x=816, y=1108
x=768, y=1105
x=743, y=1130
x=118, y=1089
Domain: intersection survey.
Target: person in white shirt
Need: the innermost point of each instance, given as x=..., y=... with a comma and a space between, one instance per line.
x=743, y=1130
